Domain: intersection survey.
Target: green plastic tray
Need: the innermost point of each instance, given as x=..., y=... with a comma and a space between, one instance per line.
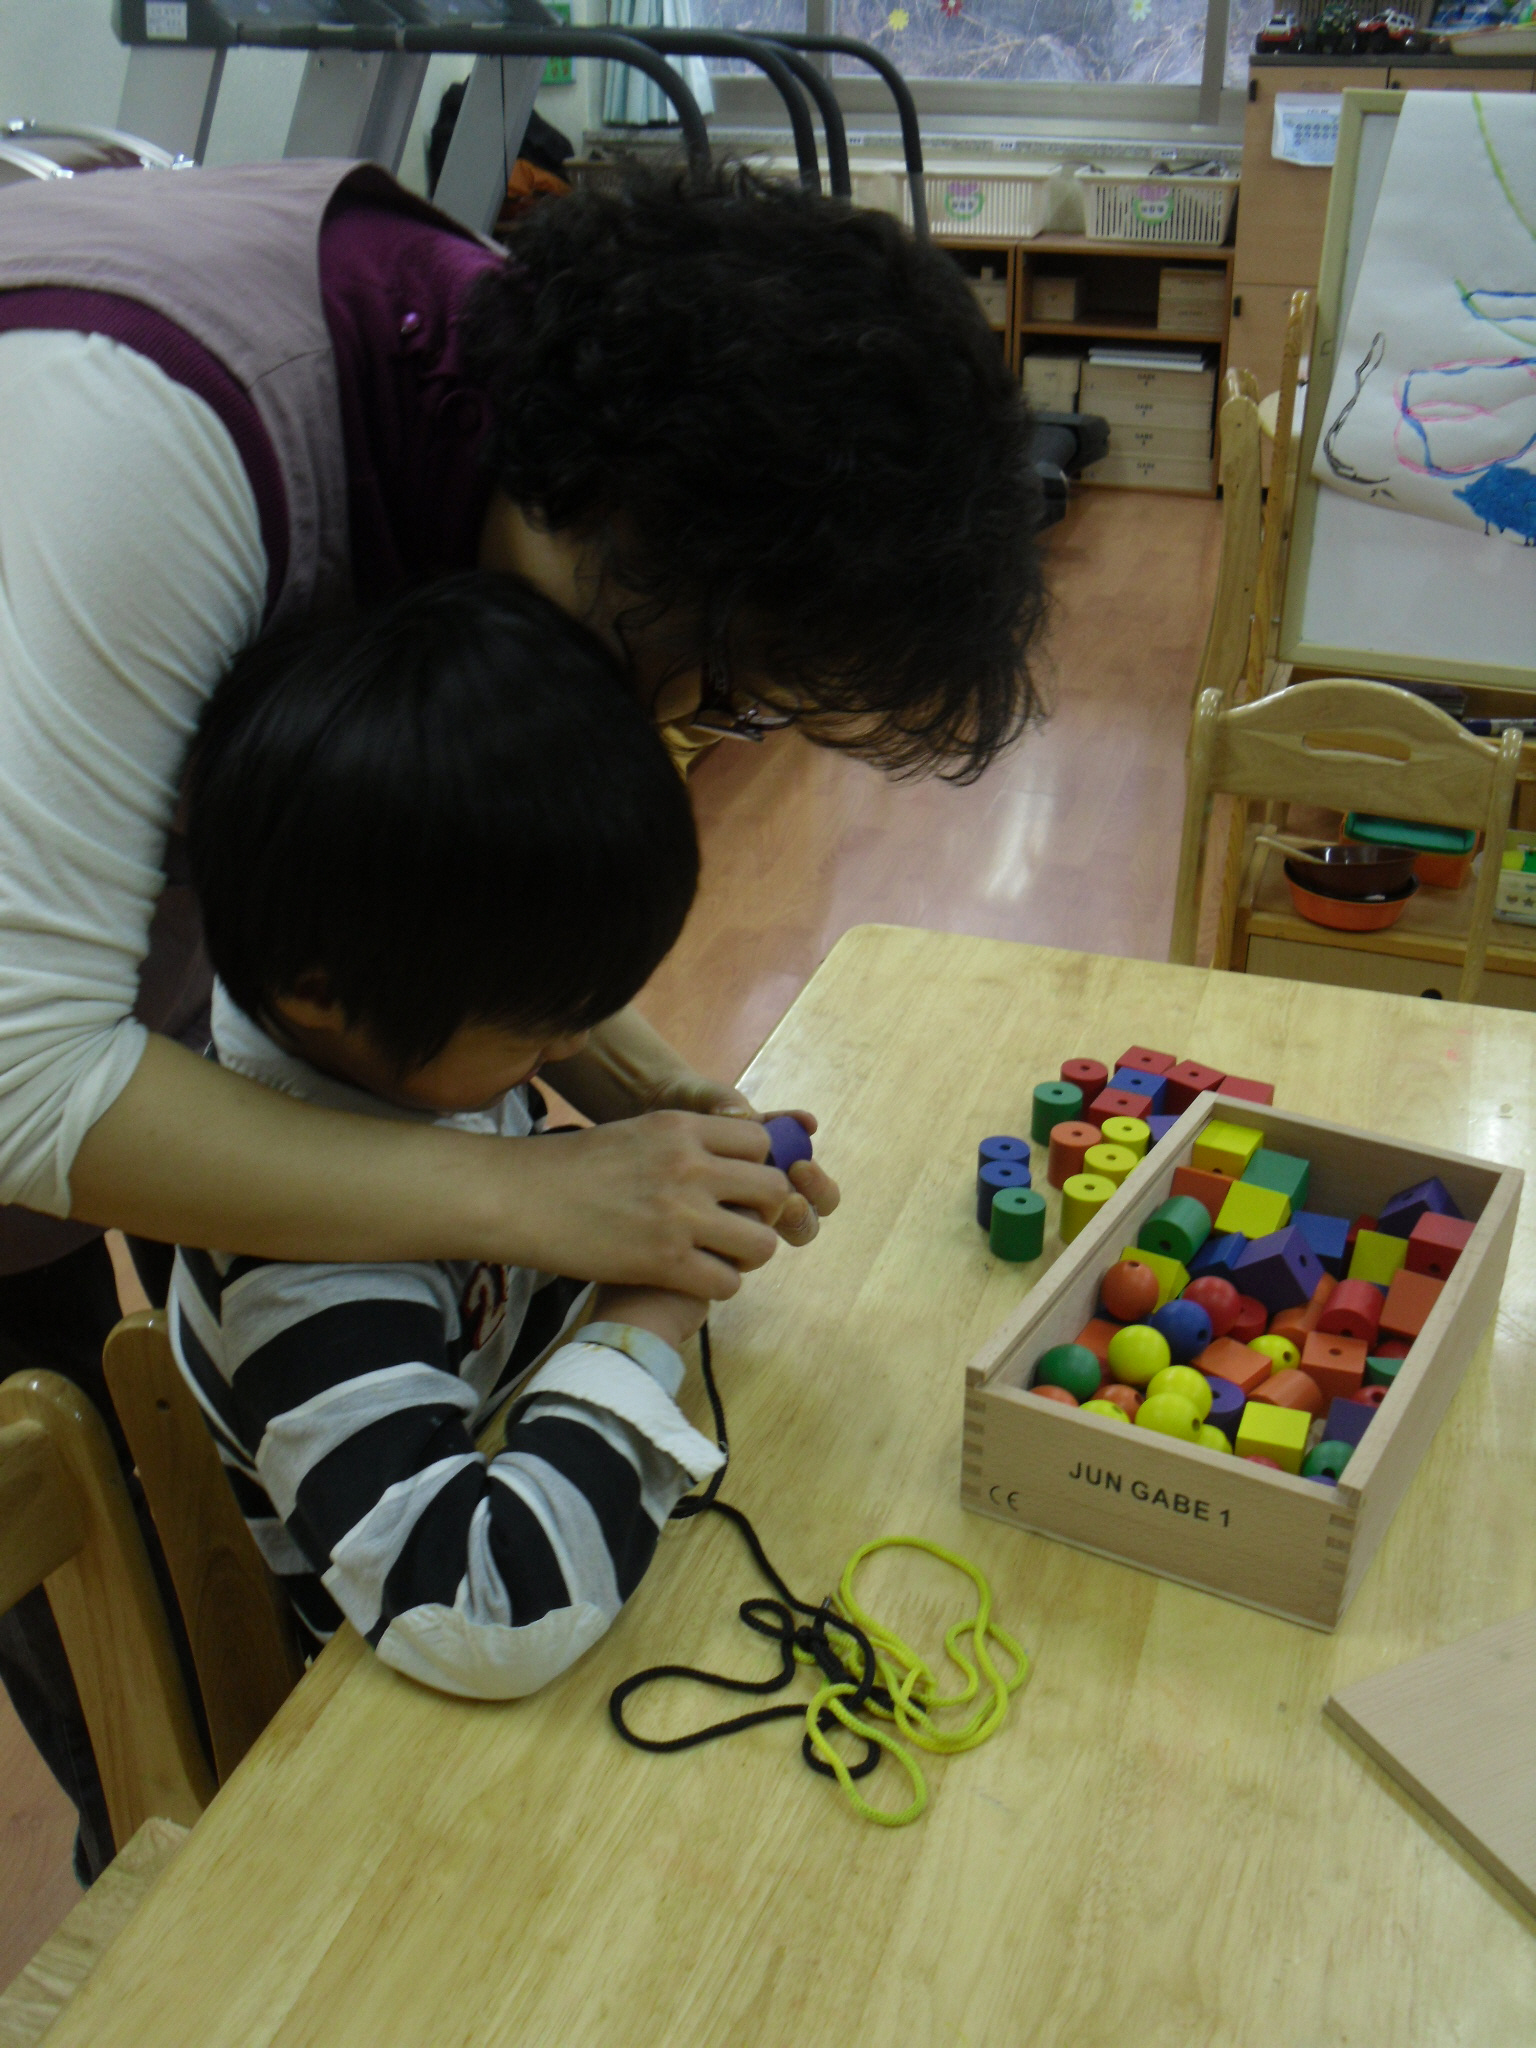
x=1398, y=832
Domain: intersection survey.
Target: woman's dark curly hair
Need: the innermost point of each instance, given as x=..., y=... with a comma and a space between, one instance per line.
x=786, y=425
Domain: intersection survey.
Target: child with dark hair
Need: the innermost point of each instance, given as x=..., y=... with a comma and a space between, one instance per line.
x=431, y=852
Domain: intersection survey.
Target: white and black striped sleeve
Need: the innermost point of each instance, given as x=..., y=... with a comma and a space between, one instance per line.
x=484, y=1577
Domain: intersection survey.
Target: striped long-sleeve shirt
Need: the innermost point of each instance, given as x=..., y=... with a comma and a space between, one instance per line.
x=344, y=1400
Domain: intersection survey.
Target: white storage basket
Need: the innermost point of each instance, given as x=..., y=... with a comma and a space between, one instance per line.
x=1136, y=206
x=992, y=205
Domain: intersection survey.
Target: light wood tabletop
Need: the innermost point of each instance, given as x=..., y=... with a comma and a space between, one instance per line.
x=1167, y=1843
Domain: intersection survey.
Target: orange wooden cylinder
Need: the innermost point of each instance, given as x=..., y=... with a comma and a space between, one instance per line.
x=1291, y=1390
x=1070, y=1146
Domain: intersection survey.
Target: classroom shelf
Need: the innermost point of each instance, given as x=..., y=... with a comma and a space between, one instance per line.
x=1109, y=329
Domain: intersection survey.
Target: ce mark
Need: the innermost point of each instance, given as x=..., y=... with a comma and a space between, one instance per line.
x=1001, y=1499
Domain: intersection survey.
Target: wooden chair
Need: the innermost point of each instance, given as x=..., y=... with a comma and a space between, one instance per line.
x=1347, y=745
x=235, y=1613
x=1280, y=501
x=1224, y=663
x=66, y=1523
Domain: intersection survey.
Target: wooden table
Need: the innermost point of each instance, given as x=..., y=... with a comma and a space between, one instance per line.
x=1167, y=1845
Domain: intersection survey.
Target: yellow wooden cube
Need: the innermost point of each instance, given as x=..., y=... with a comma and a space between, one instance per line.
x=1226, y=1148
x=1253, y=1210
x=1377, y=1257
x=1172, y=1278
x=1269, y=1432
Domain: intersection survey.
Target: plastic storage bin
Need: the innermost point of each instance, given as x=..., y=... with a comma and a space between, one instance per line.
x=1136, y=206
x=1021, y=200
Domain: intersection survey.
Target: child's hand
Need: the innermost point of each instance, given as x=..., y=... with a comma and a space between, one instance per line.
x=815, y=1195
x=673, y=1317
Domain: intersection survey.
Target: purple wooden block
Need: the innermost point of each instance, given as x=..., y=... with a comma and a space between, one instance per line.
x=1227, y=1404
x=1135, y=1082
x=1347, y=1422
x=788, y=1141
x=1280, y=1270
x=1160, y=1126
x=1219, y=1255
x=1430, y=1198
x=1328, y=1237
x=1014, y=1150
x=991, y=1179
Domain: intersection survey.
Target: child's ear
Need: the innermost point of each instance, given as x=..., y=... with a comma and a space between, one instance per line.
x=311, y=1003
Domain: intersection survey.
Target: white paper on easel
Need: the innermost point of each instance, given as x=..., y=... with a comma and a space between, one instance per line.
x=1306, y=129
x=1433, y=406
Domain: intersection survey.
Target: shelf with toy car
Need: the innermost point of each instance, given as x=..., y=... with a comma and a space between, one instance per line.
x=1205, y=1517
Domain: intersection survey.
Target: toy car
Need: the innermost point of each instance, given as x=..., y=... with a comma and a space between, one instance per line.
x=1333, y=32
x=1391, y=30
x=1281, y=32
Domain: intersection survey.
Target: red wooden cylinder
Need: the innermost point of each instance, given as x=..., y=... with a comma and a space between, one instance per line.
x=1353, y=1310
x=1251, y=1320
x=1070, y=1146
x=1092, y=1076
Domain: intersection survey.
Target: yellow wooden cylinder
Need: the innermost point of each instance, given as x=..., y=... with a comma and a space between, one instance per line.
x=1082, y=1197
x=1128, y=1131
x=1110, y=1162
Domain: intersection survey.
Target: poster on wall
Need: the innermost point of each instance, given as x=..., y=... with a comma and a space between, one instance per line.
x=1433, y=406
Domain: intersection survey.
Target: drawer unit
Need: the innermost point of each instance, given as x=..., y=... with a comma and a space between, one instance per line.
x=1152, y=472
x=1186, y=443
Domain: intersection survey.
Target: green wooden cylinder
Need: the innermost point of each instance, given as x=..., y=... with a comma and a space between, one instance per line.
x=1018, y=1224
x=1056, y=1102
x=1177, y=1229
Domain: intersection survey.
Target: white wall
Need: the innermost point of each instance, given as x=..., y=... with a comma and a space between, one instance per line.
x=59, y=60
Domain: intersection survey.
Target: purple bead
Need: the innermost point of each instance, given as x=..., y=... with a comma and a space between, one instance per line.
x=1347, y=1422
x=788, y=1141
x=1328, y=1237
x=1186, y=1326
x=1280, y=1270
x=1430, y=1198
x=1160, y=1126
x=991, y=1179
x=1227, y=1404
x=1014, y=1150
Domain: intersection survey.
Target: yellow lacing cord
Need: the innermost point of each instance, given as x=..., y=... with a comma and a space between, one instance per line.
x=911, y=1684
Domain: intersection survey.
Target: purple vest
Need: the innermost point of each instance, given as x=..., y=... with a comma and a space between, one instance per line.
x=314, y=306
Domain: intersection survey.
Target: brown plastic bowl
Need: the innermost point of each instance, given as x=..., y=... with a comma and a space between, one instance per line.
x=1346, y=914
x=1353, y=869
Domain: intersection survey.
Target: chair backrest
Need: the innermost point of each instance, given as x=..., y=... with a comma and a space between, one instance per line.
x=1280, y=503
x=235, y=1613
x=1223, y=665
x=66, y=1523
x=1346, y=745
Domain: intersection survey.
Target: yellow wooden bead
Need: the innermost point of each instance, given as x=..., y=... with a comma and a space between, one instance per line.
x=1169, y=1415
x=1225, y=1148
x=1184, y=1380
x=1107, y=1408
x=1213, y=1439
x=1253, y=1211
x=1083, y=1195
x=1279, y=1348
x=1377, y=1257
x=1128, y=1131
x=1110, y=1162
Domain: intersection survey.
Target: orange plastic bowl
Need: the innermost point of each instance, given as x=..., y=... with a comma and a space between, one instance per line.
x=1349, y=914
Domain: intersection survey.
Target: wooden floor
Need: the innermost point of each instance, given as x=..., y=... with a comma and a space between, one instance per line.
x=1070, y=841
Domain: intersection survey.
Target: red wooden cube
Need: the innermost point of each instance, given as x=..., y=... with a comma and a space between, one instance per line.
x=1409, y=1301
x=1145, y=1061
x=1187, y=1080
x=1435, y=1243
x=1210, y=1190
x=1336, y=1363
x=1118, y=1102
x=1247, y=1091
x=1095, y=1337
x=1226, y=1359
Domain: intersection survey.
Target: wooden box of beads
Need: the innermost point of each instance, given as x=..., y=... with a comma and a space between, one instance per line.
x=1289, y=1545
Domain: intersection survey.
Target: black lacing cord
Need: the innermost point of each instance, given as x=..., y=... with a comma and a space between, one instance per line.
x=773, y=1618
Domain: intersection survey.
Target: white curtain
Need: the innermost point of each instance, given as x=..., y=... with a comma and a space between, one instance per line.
x=630, y=99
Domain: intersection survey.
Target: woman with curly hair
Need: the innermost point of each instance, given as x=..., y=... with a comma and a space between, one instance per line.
x=761, y=442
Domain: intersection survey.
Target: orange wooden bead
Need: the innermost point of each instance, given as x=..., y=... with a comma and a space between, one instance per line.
x=1129, y=1291
x=1337, y=1364
x=1228, y=1360
x=1070, y=1145
x=1292, y=1389
x=1052, y=1394
x=1124, y=1398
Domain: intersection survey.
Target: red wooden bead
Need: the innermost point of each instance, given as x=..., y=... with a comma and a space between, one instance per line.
x=1070, y=1146
x=1353, y=1310
x=1120, y=1102
x=1129, y=1291
x=1371, y=1397
x=1435, y=1243
x=1219, y=1298
x=1291, y=1389
x=1127, y=1398
x=1143, y=1060
x=1187, y=1080
x=1089, y=1075
x=1095, y=1337
x=1252, y=1319
x=1409, y=1301
x=1270, y=1462
x=1391, y=1347
x=1052, y=1394
x=1247, y=1091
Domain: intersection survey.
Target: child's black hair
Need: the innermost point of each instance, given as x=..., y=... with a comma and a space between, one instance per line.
x=790, y=432
x=453, y=809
